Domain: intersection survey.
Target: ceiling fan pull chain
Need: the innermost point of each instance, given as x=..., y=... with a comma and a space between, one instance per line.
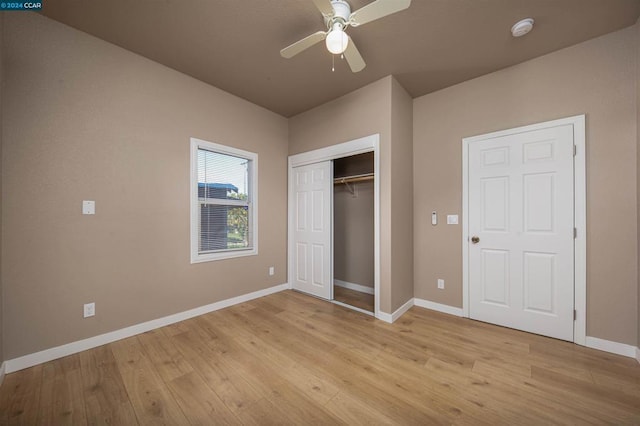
x=333, y=63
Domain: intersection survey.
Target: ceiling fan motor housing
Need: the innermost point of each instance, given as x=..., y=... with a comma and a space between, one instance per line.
x=341, y=14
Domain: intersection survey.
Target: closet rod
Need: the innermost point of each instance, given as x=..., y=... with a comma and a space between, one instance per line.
x=355, y=178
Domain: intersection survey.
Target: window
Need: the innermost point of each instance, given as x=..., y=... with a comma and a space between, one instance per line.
x=223, y=202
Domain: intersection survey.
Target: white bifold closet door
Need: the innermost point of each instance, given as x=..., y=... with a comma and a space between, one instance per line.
x=312, y=268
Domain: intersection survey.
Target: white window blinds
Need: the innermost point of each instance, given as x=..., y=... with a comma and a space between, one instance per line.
x=225, y=208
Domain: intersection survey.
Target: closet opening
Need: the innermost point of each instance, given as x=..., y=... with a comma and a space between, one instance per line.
x=316, y=243
x=354, y=232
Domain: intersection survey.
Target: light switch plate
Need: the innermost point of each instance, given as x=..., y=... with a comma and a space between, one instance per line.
x=89, y=309
x=88, y=207
x=452, y=219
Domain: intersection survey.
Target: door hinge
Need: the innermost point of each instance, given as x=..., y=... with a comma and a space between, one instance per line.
x=575, y=233
x=575, y=150
x=575, y=315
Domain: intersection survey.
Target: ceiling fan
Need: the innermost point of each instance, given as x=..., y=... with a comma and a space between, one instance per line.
x=338, y=17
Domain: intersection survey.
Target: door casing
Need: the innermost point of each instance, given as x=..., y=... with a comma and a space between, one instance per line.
x=580, y=209
x=358, y=146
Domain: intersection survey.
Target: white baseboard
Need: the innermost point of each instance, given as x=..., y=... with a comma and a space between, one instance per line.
x=391, y=318
x=353, y=286
x=451, y=310
x=2, y=372
x=46, y=355
x=613, y=347
x=383, y=316
x=591, y=342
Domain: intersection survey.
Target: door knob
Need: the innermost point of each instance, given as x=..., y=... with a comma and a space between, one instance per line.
x=475, y=240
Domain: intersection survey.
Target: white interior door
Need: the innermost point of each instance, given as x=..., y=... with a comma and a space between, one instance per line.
x=521, y=231
x=312, y=263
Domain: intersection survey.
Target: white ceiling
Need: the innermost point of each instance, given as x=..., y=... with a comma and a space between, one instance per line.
x=234, y=44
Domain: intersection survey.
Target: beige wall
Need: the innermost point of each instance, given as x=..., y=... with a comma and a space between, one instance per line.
x=360, y=113
x=637, y=26
x=363, y=112
x=598, y=78
x=353, y=230
x=2, y=358
x=401, y=195
x=89, y=120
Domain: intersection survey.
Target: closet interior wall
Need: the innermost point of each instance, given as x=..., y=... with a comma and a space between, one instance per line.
x=354, y=221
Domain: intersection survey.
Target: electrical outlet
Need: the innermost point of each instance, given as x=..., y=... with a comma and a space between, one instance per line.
x=272, y=270
x=89, y=309
x=440, y=284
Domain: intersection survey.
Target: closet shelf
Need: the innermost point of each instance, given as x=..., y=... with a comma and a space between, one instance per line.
x=354, y=178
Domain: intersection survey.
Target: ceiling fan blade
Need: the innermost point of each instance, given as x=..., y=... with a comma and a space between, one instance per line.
x=300, y=45
x=377, y=10
x=353, y=57
x=324, y=6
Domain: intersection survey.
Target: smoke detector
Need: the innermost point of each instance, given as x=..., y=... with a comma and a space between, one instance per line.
x=522, y=27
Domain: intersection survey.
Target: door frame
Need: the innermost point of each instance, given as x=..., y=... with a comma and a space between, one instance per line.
x=369, y=143
x=579, y=212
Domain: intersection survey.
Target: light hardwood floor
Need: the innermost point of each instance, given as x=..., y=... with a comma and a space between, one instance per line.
x=354, y=298
x=292, y=359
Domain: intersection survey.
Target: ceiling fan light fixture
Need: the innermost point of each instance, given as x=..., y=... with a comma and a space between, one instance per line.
x=337, y=40
x=337, y=17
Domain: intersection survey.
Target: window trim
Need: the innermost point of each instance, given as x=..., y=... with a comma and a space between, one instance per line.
x=252, y=179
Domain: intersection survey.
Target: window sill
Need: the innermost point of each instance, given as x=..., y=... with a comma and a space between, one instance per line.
x=211, y=257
